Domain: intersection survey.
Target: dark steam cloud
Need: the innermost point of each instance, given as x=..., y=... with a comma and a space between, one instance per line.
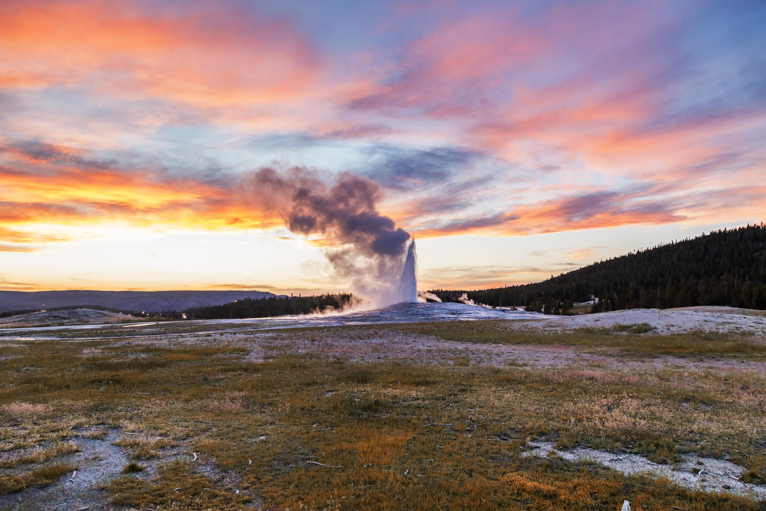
x=368, y=246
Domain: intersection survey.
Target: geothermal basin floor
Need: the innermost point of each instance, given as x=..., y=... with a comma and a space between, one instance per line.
x=506, y=409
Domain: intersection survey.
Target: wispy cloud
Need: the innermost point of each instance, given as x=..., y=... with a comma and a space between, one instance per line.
x=476, y=276
x=243, y=287
x=206, y=54
x=12, y=247
x=502, y=119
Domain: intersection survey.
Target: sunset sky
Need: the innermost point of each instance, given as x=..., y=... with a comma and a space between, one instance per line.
x=514, y=140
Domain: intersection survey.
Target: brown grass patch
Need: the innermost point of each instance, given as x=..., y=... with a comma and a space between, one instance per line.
x=305, y=431
x=43, y=475
x=25, y=409
x=501, y=332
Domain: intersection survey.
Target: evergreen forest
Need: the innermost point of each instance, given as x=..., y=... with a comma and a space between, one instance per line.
x=272, y=306
x=726, y=267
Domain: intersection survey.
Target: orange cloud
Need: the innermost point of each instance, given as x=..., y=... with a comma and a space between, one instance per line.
x=585, y=254
x=16, y=236
x=209, y=56
x=59, y=185
x=6, y=247
x=450, y=72
x=51, y=185
x=575, y=212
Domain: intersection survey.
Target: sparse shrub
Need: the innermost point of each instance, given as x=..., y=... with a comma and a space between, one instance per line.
x=40, y=454
x=50, y=473
x=639, y=328
x=405, y=374
x=757, y=470
x=11, y=484
x=25, y=409
x=100, y=434
x=461, y=361
x=132, y=468
x=363, y=406
x=360, y=375
x=753, y=477
x=176, y=487
x=567, y=441
x=231, y=402
x=144, y=452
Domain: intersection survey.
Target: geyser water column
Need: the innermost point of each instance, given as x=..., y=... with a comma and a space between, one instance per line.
x=367, y=248
x=408, y=285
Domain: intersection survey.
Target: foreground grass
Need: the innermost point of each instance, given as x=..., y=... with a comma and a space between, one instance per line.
x=304, y=432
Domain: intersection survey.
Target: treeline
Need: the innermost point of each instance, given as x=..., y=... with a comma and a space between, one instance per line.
x=726, y=267
x=238, y=309
x=272, y=306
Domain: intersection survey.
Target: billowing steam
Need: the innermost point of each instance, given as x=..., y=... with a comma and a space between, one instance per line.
x=430, y=296
x=368, y=249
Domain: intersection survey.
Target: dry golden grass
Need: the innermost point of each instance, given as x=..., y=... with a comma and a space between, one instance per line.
x=305, y=432
x=25, y=409
x=43, y=475
x=39, y=454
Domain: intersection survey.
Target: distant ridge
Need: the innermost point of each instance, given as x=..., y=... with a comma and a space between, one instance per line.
x=726, y=267
x=135, y=301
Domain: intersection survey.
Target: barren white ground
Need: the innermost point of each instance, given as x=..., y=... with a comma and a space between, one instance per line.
x=694, y=473
x=668, y=321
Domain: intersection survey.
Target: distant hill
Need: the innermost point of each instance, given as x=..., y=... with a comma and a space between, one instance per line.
x=726, y=267
x=64, y=317
x=137, y=301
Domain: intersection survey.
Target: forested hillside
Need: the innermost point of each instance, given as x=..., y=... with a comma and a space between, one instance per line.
x=725, y=267
x=273, y=306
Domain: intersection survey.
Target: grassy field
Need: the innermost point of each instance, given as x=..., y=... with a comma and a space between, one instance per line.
x=203, y=426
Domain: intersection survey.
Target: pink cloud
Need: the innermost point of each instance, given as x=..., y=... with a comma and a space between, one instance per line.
x=210, y=55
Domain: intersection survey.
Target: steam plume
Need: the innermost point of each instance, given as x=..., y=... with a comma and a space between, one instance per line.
x=343, y=209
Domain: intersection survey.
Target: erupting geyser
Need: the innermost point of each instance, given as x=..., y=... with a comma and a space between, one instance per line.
x=408, y=285
x=367, y=246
